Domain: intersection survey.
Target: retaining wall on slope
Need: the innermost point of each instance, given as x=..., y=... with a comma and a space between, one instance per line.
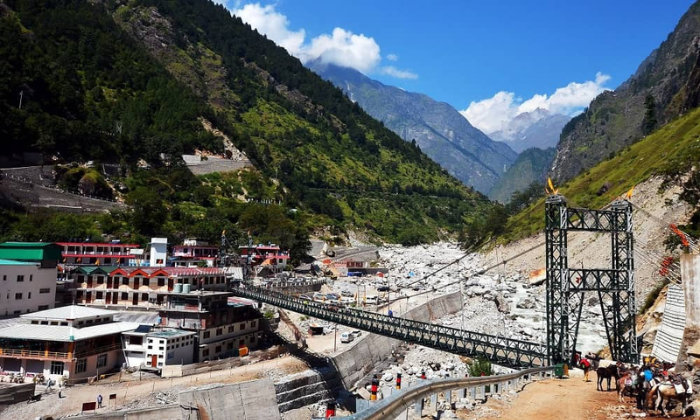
x=669, y=337
x=354, y=363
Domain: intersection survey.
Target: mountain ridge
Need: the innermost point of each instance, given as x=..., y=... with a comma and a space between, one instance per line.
x=439, y=129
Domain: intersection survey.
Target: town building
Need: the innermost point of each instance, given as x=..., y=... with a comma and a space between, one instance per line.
x=263, y=258
x=96, y=253
x=223, y=324
x=156, y=347
x=74, y=342
x=142, y=287
x=193, y=253
x=27, y=277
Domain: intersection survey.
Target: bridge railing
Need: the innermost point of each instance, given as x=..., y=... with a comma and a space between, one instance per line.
x=500, y=350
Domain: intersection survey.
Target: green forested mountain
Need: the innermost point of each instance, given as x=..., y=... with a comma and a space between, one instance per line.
x=665, y=86
x=124, y=82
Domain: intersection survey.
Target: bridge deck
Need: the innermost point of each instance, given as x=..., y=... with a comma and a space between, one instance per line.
x=500, y=350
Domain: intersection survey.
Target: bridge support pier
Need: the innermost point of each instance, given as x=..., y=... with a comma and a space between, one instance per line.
x=418, y=410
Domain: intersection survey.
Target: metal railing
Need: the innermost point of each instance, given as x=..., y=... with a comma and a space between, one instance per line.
x=397, y=404
x=500, y=350
x=35, y=354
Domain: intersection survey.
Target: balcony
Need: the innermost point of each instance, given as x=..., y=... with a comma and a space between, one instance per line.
x=98, y=350
x=35, y=354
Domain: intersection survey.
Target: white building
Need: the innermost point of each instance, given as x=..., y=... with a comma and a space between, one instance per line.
x=73, y=341
x=26, y=287
x=158, y=347
x=159, y=252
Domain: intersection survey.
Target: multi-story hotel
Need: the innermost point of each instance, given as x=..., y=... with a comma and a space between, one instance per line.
x=223, y=324
x=94, y=253
x=73, y=341
x=143, y=287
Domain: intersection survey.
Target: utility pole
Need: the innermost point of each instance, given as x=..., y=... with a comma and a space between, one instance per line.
x=21, y=94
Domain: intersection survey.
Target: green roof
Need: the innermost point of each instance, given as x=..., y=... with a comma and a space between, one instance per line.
x=96, y=269
x=30, y=251
x=13, y=262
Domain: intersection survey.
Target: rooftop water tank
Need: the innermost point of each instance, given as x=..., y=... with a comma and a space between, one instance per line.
x=178, y=288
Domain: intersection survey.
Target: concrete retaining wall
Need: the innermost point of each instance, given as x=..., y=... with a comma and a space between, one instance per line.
x=14, y=393
x=158, y=413
x=360, y=359
x=307, y=388
x=669, y=337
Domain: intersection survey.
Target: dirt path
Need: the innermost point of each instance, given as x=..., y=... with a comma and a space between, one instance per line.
x=555, y=399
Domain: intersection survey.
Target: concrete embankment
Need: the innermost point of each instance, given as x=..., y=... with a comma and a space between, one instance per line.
x=354, y=363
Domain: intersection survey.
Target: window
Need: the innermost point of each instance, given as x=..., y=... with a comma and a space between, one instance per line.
x=219, y=331
x=161, y=281
x=18, y=296
x=43, y=307
x=64, y=324
x=4, y=277
x=31, y=277
x=242, y=325
x=56, y=368
x=144, y=297
x=20, y=277
x=207, y=334
x=45, y=290
x=125, y=280
x=146, y=282
x=80, y=365
x=205, y=352
x=17, y=312
x=231, y=328
x=252, y=324
x=29, y=295
x=100, y=280
x=217, y=349
x=99, y=295
x=101, y=360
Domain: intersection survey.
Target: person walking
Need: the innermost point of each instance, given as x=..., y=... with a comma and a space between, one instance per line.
x=99, y=400
x=48, y=385
x=586, y=366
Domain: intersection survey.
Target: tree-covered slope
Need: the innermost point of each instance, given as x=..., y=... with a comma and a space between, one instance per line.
x=665, y=86
x=531, y=166
x=121, y=82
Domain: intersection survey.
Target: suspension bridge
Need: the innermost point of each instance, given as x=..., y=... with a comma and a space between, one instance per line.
x=566, y=289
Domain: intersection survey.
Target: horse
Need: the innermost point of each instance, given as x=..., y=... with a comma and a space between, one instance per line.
x=627, y=382
x=666, y=391
x=606, y=373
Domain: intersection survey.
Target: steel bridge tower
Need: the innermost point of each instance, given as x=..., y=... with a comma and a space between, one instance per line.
x=567, y=286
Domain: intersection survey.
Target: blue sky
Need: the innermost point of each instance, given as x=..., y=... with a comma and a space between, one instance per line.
x=486, y=58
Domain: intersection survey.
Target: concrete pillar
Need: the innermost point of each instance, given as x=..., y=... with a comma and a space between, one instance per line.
x=448, y=396
x=472, y=394
x=419, y=408
x=462, y=393
x=690, y=275
x=433, y=402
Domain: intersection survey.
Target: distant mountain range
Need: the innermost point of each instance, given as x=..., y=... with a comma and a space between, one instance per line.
x=531, y=166
x=538, y=128
x=439, y=129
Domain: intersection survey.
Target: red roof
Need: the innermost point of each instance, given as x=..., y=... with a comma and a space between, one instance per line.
x=97, y=244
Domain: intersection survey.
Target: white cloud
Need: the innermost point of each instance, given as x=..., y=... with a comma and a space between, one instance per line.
x=493, y=114
x=341, y=47
x=400, y=74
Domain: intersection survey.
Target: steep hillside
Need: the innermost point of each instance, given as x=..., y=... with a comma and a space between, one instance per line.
x=439, y=129
x=538, y=128
x=665, y=86
x=671, y=152
x=124, y=82
x=531, y=166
